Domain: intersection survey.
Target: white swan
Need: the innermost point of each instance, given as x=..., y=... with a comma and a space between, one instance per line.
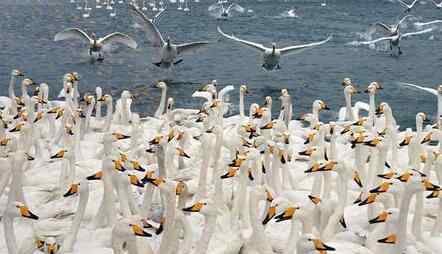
x=271, y=56
x=350, y=112
x=168, y=51
x=219, y=11
x=395, y=38
x=95, y=44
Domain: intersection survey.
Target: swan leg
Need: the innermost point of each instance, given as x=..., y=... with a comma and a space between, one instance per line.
x=278, y=67
x=400, y=51
x=100, y=57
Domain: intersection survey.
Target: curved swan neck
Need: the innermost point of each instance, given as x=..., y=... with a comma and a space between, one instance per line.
x=12, y=87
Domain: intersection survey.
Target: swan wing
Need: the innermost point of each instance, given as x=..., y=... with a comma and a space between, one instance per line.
x=298, y=48
x=359, y=105
x=119, y=38
x=418, y=32
x=205, y=95
x=224, y=91
x=387, y=28
x=73, y=33
x=402, y=20
x=157, y=16
x=377, y=40
x=216, y=7
x=254, y=45
x=152, y=32
x=427, y=89
x=342, y=113
x=191, y=47
x=428, y=23
x=235, y=7
x=404, y=4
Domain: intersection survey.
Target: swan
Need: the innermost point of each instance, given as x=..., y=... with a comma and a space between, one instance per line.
x=95, y=44
x=350, y=112
x=437, y=92
x=10, y=103
x=168, y=51
x=271, y=56
x=14, y=209
x=160, y=110
x=394, y=36
x=219, y=11
x=372, y=90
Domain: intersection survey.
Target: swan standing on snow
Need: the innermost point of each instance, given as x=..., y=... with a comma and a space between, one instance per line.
x=271, y=56
x=220, y=12
x=96, y=44
x=394, y=35
x=168, y=51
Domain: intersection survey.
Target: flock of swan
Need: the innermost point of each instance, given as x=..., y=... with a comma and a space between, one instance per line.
x=75, y=178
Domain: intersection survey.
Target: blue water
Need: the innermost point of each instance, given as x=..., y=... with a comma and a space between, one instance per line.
x=27, y=28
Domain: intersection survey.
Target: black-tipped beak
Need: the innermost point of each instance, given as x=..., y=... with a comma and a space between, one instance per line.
x=30, y=215
x=270, y=214
x=160, y=229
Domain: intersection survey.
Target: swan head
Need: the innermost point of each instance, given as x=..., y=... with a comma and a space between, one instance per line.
x=60, y=154
x=168, y=43
x=17, y=73
x=21, y=210
x=138, y=230
x=273, y=47
x=94, y=36
x=170, y=103
x=422, y=117
x=267, y=101
x=276, y=206
x=439, y=89
x=51, y=246
x=284, y=92
x=98, y=91
x=126, y=95
x=320, y=105
x=391, y=215
x=205, y=206
x=350, y=90
x=89, y=100
x=243, y=89
x=28, y=82
x=347, y=82
x=373, y=87
x=307, y=243
x=106, y=98
x=161, y=85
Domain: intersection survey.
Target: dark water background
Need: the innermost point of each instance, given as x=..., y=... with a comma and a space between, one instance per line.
x=27, y=28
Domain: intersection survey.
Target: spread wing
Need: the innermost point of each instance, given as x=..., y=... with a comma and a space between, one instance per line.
x=73, y=33
x=190, y=47
x=418, y=32
x=254, y=45
x=235, y=7
x=385, y=27
x=118, y=38
x=299, y=48
x=426, y=89
x=151, y=30
x=389, y=38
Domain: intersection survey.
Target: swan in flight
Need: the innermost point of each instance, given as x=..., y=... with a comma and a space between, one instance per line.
x=219, y=11
x=407, y=6
x=271, y=56
x=95, y=44
x=168, y=51
x=394, y=35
